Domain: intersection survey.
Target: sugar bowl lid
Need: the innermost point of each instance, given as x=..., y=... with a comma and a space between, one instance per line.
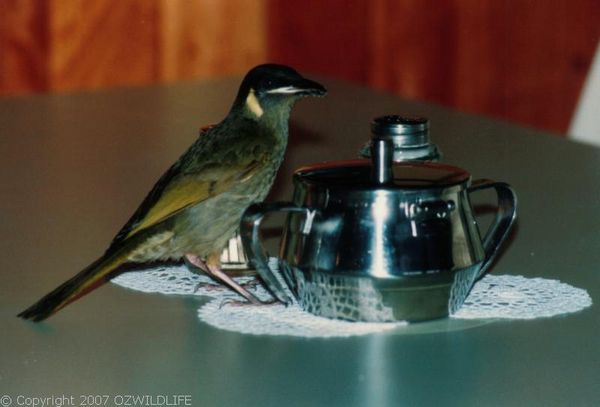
x=366, y=174
x=398, y=156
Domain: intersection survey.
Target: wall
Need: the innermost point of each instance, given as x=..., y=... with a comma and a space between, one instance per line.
x=523, y=61
x=58, y=45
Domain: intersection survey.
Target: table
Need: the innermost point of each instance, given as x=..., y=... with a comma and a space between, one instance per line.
x=74, y=167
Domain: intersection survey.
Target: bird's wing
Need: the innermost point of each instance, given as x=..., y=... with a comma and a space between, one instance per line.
x=175, y=192
x=186, y=191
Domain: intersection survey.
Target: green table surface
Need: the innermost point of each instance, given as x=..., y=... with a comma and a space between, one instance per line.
x=73, y=167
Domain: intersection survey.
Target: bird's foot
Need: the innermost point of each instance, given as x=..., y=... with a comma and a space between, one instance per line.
x=252, y=284
x=211, y=267
x=211, y=287
x=240, y=303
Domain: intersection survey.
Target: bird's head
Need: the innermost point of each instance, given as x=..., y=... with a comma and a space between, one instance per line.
x=272, y=88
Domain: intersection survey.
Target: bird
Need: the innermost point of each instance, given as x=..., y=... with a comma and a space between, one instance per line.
x=197, y=204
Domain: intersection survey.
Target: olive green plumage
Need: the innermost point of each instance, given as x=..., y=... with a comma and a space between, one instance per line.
x=196, y=206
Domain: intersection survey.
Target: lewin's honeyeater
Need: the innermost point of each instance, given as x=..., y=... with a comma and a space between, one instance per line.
x=196, y=206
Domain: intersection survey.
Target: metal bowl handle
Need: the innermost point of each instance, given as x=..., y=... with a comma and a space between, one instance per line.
x=505, y=217
x=250, y=232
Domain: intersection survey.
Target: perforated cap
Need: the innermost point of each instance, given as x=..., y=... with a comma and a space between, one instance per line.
x=409, y=136
x=393, y=125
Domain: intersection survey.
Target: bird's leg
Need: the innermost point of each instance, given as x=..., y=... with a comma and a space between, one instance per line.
x=195, y=262
x=217, y=273
x=212, y=269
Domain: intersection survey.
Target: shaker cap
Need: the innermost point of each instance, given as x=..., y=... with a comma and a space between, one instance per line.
x=409, y=136
x=395, y=125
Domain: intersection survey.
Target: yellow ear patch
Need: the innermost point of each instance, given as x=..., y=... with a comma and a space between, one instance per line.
x=253, y=104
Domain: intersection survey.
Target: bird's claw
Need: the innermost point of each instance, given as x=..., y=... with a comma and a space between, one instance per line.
x=241, y=303
x=208, y=287
x=252, y=284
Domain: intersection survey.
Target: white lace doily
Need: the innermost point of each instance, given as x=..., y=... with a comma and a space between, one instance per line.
x=504, y=297
x=517, y=297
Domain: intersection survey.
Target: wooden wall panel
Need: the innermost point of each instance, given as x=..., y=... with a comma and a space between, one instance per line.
x=23, y=46
x=416, y=49
x=523, y=61
x=330, y=37
x=527, y=63
x=102, y=43
x=56, y=45
x=210, y=38
x=520, y=60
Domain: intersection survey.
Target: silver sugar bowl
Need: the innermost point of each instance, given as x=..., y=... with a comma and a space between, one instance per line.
x=378, y=240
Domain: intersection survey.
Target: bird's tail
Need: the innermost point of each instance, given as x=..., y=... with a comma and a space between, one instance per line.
x=82, y=283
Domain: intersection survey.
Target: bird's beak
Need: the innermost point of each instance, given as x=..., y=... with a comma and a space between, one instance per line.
x=306, y=87
x=302, y=87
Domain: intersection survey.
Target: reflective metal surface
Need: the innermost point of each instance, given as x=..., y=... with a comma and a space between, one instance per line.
x=378, y=299
x=382, y=151
x=408, y=246
x=409, y=136
x=391, y=230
